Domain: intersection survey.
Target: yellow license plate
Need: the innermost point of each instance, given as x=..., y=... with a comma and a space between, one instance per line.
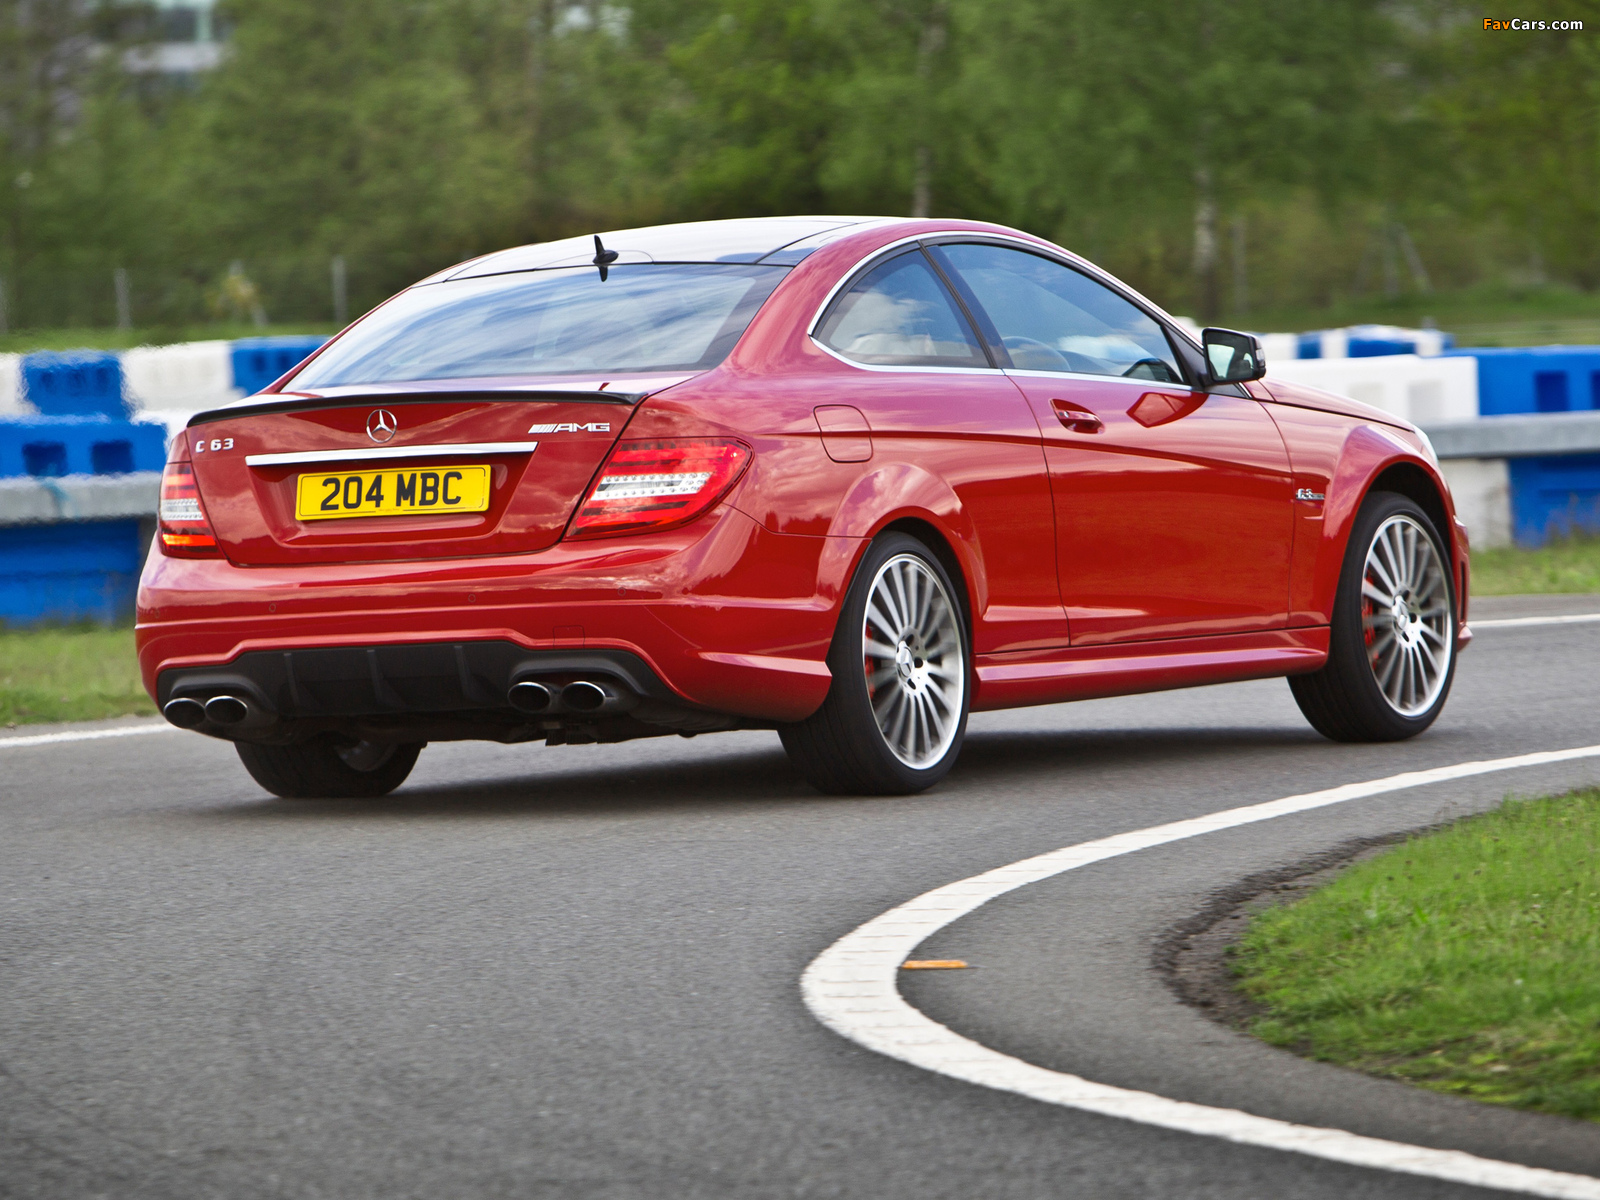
x=392, y=493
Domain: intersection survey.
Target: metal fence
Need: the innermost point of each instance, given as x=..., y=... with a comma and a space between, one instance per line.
x=258, y=291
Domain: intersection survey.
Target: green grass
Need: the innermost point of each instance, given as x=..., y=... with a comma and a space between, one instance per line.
x=69, y=674
x=123, y=339
x=1566, y=565
x=1464, y=960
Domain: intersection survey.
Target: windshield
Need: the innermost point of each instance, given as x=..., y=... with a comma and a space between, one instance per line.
x=645, y=317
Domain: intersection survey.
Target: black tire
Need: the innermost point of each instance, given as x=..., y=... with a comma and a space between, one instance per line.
x=321, y=768
x=843, y=748
x=1361, y=695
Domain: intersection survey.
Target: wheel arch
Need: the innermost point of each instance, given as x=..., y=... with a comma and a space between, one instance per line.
x=1408, y=479
x=1369, y=459
x=939, y=546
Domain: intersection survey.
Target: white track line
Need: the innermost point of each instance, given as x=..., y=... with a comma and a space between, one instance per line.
x=852, y=987
x=87, y=735
x=1515, y=622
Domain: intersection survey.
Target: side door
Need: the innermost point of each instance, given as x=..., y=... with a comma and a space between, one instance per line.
x=1174, y=506
x=942, y=415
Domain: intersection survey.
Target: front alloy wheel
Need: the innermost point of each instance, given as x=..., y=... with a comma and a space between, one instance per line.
x=896, y=713
x=1406, y=615
x=1392, y=641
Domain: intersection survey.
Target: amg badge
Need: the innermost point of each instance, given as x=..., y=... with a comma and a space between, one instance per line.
x=569, y=427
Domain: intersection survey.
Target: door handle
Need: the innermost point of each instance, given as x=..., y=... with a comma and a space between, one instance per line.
x=1076, y=418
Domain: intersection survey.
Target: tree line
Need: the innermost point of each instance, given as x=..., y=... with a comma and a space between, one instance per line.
x=1225, y=156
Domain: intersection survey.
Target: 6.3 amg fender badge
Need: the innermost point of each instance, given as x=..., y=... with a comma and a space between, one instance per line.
x=381, y=425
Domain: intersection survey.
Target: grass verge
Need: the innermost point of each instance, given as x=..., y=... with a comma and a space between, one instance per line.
x=69, y=674
x=1463, y=960
x=1565, y=565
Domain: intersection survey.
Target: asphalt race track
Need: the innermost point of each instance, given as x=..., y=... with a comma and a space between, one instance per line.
x=575, y=972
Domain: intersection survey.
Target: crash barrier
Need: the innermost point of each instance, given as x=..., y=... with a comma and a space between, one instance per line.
x=82, y=442
x=71, y=548
x=1523, y=479
x=1516, y=485
x=1356, y=341
x=83, y=438
x=1536, y=379
x=168, y=384
x=1422, y=390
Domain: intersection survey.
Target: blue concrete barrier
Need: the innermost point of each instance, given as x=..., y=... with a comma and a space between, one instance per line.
x=257, y=362
x=1554, y=496
x=88, y=574
x=1529, y=379
x=1371, y=341
x=77, y=383
x=60, y=559
x=1551, y=495
x=49, y=448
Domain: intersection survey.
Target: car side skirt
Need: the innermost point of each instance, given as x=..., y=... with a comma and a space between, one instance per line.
x=1091, y=672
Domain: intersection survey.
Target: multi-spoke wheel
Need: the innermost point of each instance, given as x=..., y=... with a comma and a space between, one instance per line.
x=896, y=713
x=1392, y=652
x=1406, y=615
x=916, y=679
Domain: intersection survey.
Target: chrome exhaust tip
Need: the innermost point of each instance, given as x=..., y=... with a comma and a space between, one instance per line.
x=184, y=712
x=587, y=696
x=530, y=697
x=226, y=710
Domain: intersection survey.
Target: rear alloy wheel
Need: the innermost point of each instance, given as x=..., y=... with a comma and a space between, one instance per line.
x=327, y=768
x=1391, y=657
x=896, y=714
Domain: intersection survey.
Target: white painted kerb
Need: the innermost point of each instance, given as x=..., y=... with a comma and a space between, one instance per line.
x=852, y=987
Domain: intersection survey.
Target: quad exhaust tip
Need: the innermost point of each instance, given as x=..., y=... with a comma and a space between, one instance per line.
x=226, y=710
x=582, y=696
x=587, y=697
x=184, y=712
x=530, y=697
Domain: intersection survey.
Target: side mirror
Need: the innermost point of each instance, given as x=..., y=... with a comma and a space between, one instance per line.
x=1233, y=357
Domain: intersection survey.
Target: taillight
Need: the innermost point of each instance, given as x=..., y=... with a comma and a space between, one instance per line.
x=184, y=530
x=656, y=485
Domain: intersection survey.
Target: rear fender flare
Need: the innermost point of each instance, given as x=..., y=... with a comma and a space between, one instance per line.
x=898, y=492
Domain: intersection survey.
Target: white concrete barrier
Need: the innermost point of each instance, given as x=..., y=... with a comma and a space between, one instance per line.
x=1280, y=348
x=12, y=401
x=1481, y=488
x=25, y=500
x=171, y=383
x=1427, y=391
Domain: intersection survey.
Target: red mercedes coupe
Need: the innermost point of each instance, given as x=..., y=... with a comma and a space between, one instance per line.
x=848, y=479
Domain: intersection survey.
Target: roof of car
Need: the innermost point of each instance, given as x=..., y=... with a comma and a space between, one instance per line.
x=781, y=241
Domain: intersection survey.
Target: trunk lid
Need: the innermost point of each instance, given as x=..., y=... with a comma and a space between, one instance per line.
x=537, y=453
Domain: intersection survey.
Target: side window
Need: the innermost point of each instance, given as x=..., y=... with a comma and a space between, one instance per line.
x=1052, y=318
x=901, y=314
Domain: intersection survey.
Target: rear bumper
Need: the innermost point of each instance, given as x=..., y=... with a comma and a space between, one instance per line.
x=722, y=616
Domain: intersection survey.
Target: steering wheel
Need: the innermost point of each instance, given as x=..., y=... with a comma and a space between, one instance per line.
x=1153, y=368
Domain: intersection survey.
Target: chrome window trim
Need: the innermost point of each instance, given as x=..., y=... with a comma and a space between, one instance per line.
x=1089, y=377
x=882, y=252
x=850, y=362
x=1053, y=253
x=433, y=450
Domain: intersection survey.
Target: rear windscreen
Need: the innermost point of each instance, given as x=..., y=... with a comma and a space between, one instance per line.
x=644, y=317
